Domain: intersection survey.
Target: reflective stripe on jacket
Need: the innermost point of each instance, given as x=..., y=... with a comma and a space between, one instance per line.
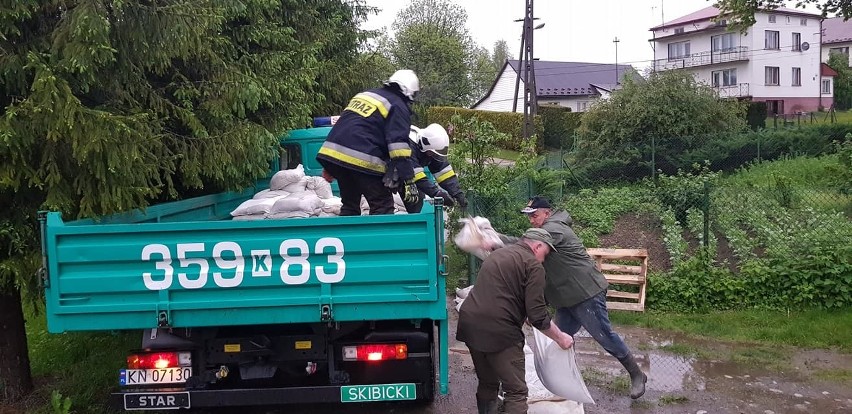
x=371, y=133
x=443, y=172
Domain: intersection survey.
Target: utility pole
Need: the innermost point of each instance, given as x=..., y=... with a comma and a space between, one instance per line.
x=616, y=59
x=530, y=100
x=520, y=65
x=526, y=69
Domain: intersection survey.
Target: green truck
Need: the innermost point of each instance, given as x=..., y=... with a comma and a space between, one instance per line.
x=235, y=313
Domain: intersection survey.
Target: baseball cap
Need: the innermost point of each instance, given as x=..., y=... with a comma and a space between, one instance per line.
x=536, y=203
x=541, y=235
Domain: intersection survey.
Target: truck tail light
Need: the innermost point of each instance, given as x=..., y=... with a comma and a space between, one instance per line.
x=375, y=352
x=158, y=360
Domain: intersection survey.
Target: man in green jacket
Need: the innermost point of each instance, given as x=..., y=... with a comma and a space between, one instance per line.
x=509, y=290
x=576, y=288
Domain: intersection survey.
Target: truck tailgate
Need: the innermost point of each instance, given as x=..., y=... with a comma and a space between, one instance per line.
x=215, y=273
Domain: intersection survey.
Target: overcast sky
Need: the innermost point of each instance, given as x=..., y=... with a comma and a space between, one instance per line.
x=574, y=31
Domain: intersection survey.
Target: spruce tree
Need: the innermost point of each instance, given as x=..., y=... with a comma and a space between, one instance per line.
x=111, y=105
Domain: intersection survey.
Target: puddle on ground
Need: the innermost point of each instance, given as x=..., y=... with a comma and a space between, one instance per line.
x=710, y=381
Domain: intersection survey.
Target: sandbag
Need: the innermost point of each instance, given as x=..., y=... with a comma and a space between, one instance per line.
x=331, y=206
x=270, y=194
x=252, y=206
x=398, y=205
x=289, y=214
x=298, y=186
x=477, y=237
x=309, y=203
x=249, y=217
x=319, y=186
x=558, y=371
x=284, y=178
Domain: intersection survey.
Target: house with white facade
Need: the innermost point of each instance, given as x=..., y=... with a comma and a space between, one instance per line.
x=836, y=37
x=574, y=85
x=776, y=60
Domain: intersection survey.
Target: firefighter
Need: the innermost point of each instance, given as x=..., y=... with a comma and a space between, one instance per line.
x=370, y=138
x=429, y=147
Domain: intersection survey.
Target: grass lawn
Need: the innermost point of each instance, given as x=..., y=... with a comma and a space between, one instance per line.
x=806, y=329
x=81, y=366
x=842, y=117
x=508, y=154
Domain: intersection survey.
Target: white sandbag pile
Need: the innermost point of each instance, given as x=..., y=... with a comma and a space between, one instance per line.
x=291, y=194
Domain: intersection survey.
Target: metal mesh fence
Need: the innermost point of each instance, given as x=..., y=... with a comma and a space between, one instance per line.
x=749, y=209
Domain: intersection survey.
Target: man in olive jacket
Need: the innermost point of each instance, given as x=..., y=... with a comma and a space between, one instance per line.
x=576, y=288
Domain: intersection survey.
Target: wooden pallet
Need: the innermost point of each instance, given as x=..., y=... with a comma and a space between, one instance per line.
x=635, y=272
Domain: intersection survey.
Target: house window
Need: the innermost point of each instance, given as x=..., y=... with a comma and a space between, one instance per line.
x=771, y=18
x=826, y=87
x=727, y=77
x=797, y=76
x=773, y=75
x=797, y=42
x=772, y=40
x=788, y=19
x=723, y=43
x=803, y=22
x=678, y=50
x=678, y=30
x=843, y=50
x=582, y=106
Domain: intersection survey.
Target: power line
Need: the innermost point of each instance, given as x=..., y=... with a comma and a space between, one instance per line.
x=770, y=53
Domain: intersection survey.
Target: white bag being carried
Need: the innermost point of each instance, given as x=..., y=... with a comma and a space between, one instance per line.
x=557, y=370
x=477, y=237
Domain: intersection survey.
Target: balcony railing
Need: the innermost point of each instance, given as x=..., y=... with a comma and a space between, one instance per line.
x=704, y=58
x=734, y=91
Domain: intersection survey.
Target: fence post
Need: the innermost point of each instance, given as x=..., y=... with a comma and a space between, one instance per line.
x=653, y=157
x=706, y=208
x=471, y=259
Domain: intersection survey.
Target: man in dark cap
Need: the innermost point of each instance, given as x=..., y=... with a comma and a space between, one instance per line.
x=509, y=289
x=577, y=289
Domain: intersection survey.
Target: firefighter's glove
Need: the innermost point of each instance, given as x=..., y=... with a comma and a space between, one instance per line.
x=461, y=201
x=448, y=201
x=412, y=194
x=391, y=179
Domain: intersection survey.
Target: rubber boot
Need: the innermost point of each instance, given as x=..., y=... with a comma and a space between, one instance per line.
x=637, y=377
x=486, y=406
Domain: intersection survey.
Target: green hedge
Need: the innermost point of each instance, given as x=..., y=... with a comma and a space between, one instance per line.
x=559, y=124
x=510, y=123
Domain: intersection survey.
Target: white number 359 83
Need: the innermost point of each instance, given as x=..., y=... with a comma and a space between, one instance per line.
x=295, y=268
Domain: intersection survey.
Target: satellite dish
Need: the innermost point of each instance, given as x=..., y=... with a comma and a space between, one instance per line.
x=805, y=46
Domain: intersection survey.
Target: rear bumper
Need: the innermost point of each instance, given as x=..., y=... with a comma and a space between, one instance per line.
x=253, y=396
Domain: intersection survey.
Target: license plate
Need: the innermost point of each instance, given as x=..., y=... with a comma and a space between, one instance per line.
x=154, y=376
x=378, y=392
x=156, y=401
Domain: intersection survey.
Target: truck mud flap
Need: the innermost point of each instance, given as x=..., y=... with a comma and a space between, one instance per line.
x=279, y=396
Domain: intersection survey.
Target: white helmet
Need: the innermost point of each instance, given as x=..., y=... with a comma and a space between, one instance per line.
x=407, y=81
x=433, y=139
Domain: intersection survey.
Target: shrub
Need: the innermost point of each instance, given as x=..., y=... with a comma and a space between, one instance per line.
x=509, y=123
x=683, y=191
x=756, y=115
x=558, y=125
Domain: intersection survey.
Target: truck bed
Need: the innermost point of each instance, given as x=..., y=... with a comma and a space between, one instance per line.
x=145, y=269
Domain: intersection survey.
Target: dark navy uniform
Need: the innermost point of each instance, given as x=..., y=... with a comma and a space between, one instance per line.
x=370, y=136
x=446, y=183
